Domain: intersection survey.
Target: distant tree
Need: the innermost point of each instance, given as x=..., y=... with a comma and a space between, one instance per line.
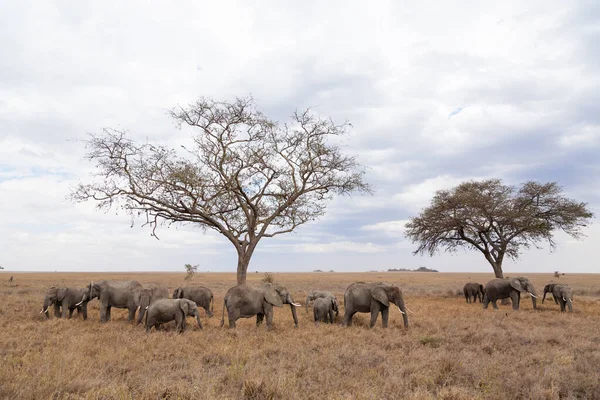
x=268, y=278
x=190, y=271
x=496, y=219
x=557, y=274
x=1, y=267
x=245, y=176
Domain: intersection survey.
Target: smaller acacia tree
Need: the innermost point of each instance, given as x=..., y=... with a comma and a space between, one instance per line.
x=245, y=176
x=190, y=271
x=496, y=219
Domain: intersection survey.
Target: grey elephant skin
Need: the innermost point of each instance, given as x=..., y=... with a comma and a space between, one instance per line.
x=318, y=294
x=473, y=291
x=167, y=310
x=67, y=299
x=201, y=295
x=118, y=294
x=324, y=309
x=512, y=288
x=374, y=298
x=148, y=295
x=245, y=301
x=562, y=293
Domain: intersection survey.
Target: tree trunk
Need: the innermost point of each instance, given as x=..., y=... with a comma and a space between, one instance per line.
x=242, y=269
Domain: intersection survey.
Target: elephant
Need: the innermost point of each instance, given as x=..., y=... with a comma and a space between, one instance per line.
x=563, y=295
x=473, y=291
x=245, y=301
x=67, y=299
x=316, y=294
x=167, y=310
x=374, y=298
x=201, y=295
x=548, y=289
x=504, y=288
x=148, y=295
x=118, y=294
x=323, y=309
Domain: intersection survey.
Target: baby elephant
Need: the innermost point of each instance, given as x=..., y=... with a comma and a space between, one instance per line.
x=166, y=310
x=323, y=309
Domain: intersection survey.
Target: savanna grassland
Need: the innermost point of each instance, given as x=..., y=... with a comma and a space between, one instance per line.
x=451, y=350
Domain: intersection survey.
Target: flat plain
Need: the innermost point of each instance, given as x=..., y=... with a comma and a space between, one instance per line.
x=451, y=350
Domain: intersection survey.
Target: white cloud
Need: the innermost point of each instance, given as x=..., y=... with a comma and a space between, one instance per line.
x=523, y=75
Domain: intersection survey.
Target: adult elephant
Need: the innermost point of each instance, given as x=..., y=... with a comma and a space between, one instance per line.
x=201, y=295
x=118, y=294
x=245, y=301
x=563, y=295
x=319, y=294
x=497, y=289
x=65, y=299
x=474, y=291
x=148, y=295
x=374, y=298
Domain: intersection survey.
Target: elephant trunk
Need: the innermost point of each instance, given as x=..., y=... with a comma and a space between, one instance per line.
x=293, y=308
x=533, y=300
x=45, y=307
x=197, y=314
x=144, y=303
x=402, y=308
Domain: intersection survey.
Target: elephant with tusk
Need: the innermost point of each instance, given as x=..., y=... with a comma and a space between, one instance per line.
x=148, y=295
x=512, y=288
x=562, y=293
x=374, y=298
x=118, y=294
x=65, y=300
x=245, y=301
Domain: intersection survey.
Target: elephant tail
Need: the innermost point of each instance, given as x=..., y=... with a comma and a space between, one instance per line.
x=223, y=312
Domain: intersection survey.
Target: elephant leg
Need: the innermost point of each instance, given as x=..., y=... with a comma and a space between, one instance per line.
x=495, y=304
x=331, y=316
x=104, y=313
x=562, y=305
x=570, y=304
x=514, y=298
x=179, y=318
x=374, y=313
x=71, y=312
x=385, y=313
x=131, y=315
x=348, y=317
x=269, y=315
x=486, y=302
x=233, y=316
x=259, y=319
x=57, y=312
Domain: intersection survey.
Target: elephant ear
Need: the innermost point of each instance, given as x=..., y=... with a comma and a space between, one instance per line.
x=515, y=283
x=185, y=307
x=61, y=294
x=380, y=295
x=272, y=297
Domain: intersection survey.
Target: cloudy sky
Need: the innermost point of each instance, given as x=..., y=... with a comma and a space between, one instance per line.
x=437, y=92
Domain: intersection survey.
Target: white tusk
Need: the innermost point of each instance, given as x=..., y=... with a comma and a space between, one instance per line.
x=297, y=305
x=532, y=295
x=409, y=310
x=401, y=311
x=41, y=312
x=79, y=303
x=146, y=308
x=44, y=311
x=564, y=299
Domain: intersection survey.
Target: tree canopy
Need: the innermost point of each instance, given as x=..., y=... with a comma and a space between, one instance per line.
x=496, y=219
x=246, y=176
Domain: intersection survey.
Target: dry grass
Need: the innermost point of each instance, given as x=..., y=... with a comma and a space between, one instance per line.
x=451, y=350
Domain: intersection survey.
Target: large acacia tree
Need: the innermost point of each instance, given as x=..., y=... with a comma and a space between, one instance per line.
x=496, y=219
x=246, y=176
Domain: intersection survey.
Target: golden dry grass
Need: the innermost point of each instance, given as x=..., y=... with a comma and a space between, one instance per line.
x=451, y=350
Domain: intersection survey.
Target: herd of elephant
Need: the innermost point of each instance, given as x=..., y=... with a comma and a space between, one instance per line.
x=245, y=301
x=498, y=289
x=240, y=301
